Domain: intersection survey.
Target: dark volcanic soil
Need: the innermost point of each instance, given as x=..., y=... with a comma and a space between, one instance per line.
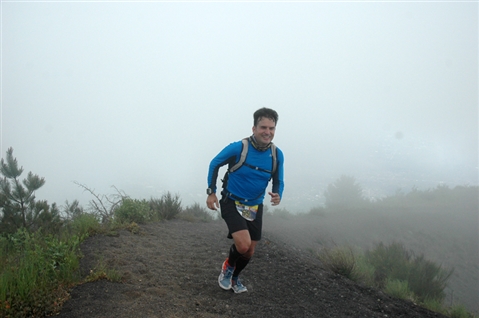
x=170, y=269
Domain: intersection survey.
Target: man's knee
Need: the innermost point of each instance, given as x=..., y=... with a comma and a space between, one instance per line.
x=247, y=250
x=243, y=247
x=242, y=241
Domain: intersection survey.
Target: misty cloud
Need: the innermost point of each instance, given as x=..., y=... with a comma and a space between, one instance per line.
x=143, y=95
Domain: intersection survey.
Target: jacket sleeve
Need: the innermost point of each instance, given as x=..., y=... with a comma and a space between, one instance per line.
x=278, y=176
x=229, y=155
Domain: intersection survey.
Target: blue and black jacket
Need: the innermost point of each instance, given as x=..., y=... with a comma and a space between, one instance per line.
x=248, y=183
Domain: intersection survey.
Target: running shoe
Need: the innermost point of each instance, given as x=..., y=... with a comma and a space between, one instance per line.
x=224, y=280
x=237, y=286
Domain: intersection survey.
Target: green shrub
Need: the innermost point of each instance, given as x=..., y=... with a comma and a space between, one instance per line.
x=196, y=212
x=391, y=268
x=364, y=271
x=132, y=210
x=390, y=261
x=427, y=279
x=166, y=208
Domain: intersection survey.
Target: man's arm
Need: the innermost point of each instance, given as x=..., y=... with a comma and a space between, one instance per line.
x=278, y=179
x=226, y=156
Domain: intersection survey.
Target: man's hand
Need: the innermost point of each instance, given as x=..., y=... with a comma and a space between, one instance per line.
x=275, y=198
x=212, y=202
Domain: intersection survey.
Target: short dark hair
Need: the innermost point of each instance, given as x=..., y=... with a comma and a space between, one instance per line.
x=267, y=113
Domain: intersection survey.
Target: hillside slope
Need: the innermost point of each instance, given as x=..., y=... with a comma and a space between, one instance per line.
x=448, y=238
x=170, y=269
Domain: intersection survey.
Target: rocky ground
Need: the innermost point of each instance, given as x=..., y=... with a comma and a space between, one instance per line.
x=170, y=269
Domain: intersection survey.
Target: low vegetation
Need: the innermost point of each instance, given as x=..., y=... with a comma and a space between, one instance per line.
x=394, y=270
x=391, y=267
x=39, y=245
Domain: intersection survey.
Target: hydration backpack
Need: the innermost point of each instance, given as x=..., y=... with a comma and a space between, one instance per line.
x=244, y=152
x=242, y=162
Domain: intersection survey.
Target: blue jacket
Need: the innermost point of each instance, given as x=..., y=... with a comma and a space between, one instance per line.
x=246, y=182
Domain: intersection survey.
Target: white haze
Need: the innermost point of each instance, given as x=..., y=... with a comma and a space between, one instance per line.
x=142, y=95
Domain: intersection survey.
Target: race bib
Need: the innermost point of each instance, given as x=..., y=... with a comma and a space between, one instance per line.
x=247, y=211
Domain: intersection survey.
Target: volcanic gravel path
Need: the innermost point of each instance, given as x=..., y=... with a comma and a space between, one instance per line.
x=170, y=269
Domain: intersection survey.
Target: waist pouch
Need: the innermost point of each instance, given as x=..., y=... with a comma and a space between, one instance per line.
x=247, y=211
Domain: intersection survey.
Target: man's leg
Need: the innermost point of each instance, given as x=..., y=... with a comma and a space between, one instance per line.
x=236, y=260
x=235, y=223
x=242, y=260
x=245, y=235
x=233, y=255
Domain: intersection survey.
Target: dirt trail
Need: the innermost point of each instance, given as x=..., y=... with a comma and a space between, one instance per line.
x=170, y=269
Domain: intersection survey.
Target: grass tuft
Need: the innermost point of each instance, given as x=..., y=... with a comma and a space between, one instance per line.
x=399, y=289
x=102, y=271
x=341, y=260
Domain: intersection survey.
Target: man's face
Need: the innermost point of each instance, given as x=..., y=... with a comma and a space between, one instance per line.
x=264, y=131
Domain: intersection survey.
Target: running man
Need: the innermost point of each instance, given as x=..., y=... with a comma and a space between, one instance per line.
x=252, y=163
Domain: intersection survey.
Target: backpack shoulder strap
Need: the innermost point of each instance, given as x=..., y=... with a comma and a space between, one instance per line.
x=275, y=161
x=244, y=152
x=242, y=159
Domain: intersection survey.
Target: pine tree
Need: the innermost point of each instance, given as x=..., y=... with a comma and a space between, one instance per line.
x=17, y=199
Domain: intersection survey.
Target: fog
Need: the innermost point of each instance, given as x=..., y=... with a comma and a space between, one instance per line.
x=141, y=96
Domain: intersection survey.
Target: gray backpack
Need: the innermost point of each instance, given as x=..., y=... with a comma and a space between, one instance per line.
x=244, y=152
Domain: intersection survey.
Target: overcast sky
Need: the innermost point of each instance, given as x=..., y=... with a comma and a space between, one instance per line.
x=142, y=95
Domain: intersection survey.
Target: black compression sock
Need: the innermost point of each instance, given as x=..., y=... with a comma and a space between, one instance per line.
x=240, y=265
x=234, y=255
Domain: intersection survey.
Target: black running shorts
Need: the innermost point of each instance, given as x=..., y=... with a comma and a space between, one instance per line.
x=236, y=222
